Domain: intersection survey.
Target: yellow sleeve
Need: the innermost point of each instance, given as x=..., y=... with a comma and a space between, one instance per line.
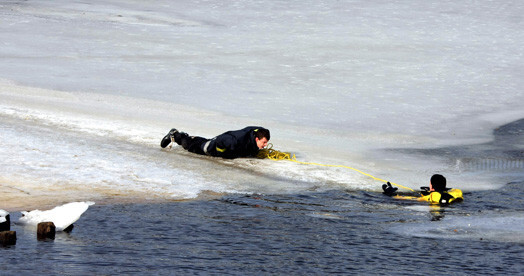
x=456, y=193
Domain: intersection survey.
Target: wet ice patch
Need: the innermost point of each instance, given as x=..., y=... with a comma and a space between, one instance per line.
x=324, y=215
x=503, y=228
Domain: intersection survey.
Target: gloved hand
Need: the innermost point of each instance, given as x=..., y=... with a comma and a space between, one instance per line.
x=424, y=191
x=389, y=190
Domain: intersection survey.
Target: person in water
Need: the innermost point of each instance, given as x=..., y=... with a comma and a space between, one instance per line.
x=436, y=193
x=245, y=142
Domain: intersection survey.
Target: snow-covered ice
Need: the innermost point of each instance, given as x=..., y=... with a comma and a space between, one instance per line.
x=62, y=216
x=88, y=89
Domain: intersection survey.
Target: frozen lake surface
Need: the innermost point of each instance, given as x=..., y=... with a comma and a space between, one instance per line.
x=89, y=89
x=400, y=90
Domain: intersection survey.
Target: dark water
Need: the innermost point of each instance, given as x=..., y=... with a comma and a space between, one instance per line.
x=319, y=233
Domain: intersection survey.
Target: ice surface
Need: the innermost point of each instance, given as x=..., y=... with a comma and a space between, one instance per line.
x=62, y=216
x=88, y=90
x=3, y=214
x=507, y=227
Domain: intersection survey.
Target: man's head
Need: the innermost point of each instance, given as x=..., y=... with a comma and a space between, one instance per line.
x=262, y=136
x=438, y=183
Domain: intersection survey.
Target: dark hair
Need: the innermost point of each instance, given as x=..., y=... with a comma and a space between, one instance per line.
x=262, y=133
x=438, y=182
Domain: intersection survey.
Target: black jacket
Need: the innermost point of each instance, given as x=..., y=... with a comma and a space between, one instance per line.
x=234, y=144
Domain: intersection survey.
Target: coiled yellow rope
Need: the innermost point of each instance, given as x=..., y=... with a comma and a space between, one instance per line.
x=272, y=154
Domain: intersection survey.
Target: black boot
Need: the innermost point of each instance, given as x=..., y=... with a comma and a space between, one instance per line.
x=170, y=137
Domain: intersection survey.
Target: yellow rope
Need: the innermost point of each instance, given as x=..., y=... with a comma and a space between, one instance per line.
x=272, y=154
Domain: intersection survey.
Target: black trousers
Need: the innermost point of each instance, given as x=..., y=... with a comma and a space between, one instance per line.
x=192, y=144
